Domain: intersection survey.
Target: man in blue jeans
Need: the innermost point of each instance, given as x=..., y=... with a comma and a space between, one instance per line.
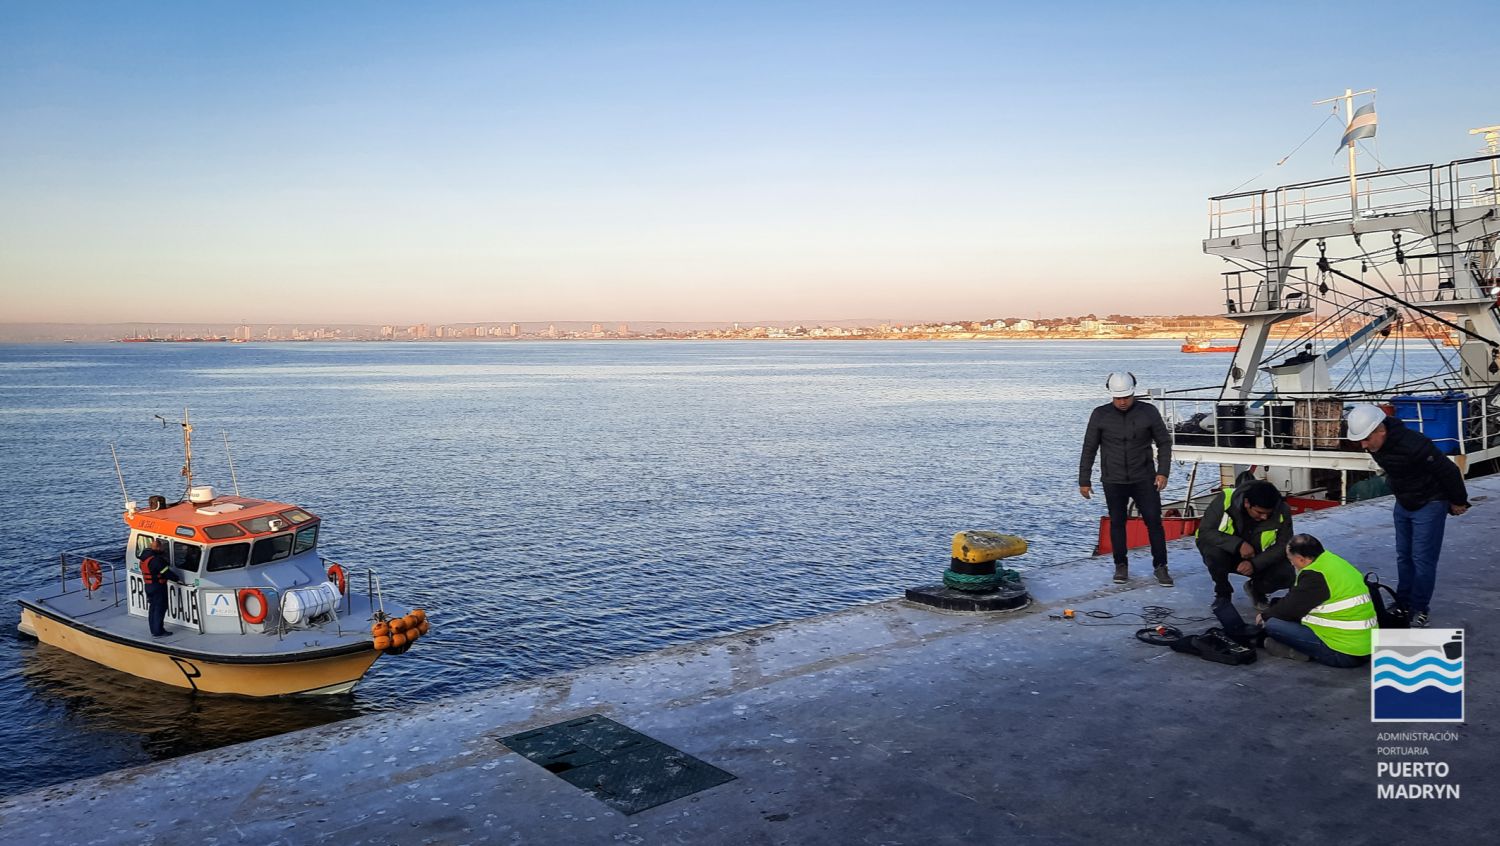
x=1428, y=487
x=1327, y=616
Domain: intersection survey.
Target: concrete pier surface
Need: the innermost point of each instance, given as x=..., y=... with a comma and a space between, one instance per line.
x=887, y=724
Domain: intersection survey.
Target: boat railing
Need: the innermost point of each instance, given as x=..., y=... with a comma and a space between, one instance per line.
x=110, y=558
x=1458, y=422
x=1463, y=183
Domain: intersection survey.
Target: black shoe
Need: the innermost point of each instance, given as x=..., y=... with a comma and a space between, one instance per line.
x=1163, y=577
x=161, y=634
x=1419, y=621
x=1122, y=573
x=1220, y=600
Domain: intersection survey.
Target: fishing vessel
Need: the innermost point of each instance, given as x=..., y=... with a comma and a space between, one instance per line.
x=1325, y=275
x=254, y=609
x=1206, y=345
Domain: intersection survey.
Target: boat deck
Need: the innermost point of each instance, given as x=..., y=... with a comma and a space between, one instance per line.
x=886, y=723
x=105, y=613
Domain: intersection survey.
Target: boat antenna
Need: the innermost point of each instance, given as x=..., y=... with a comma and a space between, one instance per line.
x=230, y=455
x=121, y=476
x=187, y=449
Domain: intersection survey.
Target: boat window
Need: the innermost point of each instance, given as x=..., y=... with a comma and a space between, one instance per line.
x=222, y=531
x=186, y=531
x=268, y=523
x=186, y=556
x=296, y=516
x=307, y=538
x=228, y=556
x=273, y=548
x=143, y=543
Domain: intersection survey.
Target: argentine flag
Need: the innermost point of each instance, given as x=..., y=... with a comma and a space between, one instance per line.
x=1362, y=125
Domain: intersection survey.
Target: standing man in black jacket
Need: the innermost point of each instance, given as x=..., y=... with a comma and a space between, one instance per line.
x=1428, y=487
x=1123, y=431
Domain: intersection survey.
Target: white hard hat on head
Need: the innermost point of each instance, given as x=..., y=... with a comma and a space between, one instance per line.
x=1120, y=384
x=1363, y=419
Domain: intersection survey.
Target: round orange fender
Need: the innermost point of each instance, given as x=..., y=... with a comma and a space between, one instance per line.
x=424, y=627
x=398, y=640
x=90, y=575
x=382, y=642
x=259, y=616
x=337, y=573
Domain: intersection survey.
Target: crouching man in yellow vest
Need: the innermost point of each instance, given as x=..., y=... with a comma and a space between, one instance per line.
x=1328, y=616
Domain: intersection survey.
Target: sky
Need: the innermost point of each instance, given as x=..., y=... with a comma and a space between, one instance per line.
x=370, y=162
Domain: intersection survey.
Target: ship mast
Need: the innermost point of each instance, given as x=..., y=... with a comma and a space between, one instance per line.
x=1348, y=98
x=187, y=450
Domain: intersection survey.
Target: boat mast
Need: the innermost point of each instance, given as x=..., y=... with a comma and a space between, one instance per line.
x=1348, y=98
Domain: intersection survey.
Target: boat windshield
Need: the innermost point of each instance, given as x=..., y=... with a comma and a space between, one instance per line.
x=228, y=556
x=273, y=548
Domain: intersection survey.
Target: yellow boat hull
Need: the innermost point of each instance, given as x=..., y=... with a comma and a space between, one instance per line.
x=313, y=675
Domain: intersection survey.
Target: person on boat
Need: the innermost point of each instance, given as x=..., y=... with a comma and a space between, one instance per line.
x=1428, y=487
x=156, y=570
x=1328, y=615
x=1122, y=433
x=1245, y=531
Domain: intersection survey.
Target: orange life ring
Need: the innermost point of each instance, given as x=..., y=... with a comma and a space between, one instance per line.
x=341, y=578
x=90, y=575
x=259, y=616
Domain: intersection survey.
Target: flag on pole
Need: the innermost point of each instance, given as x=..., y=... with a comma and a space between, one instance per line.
x=1362, y=125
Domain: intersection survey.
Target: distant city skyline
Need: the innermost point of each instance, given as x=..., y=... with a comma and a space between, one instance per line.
x=343, y=162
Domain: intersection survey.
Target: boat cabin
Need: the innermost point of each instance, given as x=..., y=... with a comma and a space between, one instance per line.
x=222, y=546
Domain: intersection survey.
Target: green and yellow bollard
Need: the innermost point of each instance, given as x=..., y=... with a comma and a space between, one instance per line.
x=973, y=580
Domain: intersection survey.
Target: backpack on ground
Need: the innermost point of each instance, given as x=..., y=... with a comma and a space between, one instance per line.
x=1214, y=645
x=1388, y=614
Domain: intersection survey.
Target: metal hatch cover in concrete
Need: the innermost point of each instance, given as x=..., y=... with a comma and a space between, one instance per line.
x=883, y=724
x=617, y=765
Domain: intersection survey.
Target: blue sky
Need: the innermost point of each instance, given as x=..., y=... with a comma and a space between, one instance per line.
x=445, y=162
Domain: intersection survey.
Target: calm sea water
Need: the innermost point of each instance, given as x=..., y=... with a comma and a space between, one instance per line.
x=551, y=505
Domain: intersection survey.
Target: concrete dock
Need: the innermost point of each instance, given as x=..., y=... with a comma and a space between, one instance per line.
x=886, y=724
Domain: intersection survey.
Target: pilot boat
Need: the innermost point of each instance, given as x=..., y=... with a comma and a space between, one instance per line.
x=259, y=611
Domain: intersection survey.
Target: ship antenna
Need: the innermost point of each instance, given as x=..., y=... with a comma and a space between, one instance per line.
x=121, y=476
x=230, y=455
x=187, y=449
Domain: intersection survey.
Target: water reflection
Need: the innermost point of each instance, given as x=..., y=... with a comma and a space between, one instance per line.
x=109, y=707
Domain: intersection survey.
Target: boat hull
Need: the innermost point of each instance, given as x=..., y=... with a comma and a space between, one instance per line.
x=321, y=674
x=1176, y=527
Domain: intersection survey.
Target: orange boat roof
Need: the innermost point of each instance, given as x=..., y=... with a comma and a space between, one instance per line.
x=187, y=520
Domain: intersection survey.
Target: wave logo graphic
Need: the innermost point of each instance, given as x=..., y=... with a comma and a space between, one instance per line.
x=1417, y=676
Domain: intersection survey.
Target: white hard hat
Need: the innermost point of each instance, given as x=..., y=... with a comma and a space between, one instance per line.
x=1120, y=384
x=1363, y=419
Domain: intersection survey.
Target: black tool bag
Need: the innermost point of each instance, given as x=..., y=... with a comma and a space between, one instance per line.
x=1214, y=645
x=1388, y=614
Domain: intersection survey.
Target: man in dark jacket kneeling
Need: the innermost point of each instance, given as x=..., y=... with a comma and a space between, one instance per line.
x=1245, y=531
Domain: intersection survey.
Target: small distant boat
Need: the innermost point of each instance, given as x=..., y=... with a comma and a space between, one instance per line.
x=254, y=608
x=1205, y=345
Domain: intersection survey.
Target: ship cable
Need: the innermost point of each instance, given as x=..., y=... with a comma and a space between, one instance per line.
x=1326, y=267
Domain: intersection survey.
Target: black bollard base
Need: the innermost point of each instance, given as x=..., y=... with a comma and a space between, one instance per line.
x=948, y=599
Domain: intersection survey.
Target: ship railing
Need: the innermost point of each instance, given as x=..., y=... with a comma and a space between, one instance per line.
x=1459, y=422
x=1250, y=290
x=1463, y=183
x=111, y=560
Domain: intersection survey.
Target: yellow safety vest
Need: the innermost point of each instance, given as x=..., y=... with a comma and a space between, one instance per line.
x=1226, y=524
x=1345, y=619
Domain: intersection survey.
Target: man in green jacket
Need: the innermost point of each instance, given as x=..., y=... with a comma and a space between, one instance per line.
x=1245, y=531
x=1328, y=615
